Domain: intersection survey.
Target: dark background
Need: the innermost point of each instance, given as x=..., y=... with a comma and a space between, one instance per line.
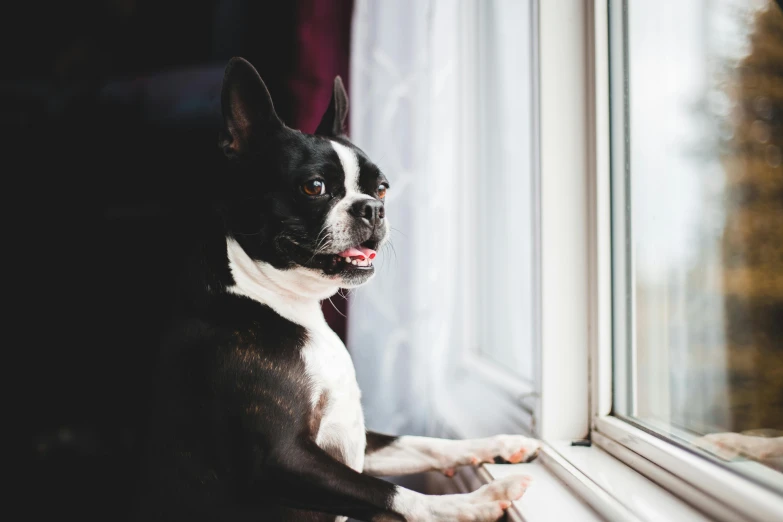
x=110, y=115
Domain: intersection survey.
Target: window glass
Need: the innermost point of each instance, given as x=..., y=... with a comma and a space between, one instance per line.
x=698, y=257
x=504, y=188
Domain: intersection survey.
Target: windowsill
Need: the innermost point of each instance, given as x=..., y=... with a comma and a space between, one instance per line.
x=547, y=498
x=579, y=483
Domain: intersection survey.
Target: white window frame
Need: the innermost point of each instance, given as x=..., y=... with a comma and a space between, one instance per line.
x=713, y=488
x=576, y=333
x=556, y=405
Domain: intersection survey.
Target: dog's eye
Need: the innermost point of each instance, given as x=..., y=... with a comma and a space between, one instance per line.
x=382, y=191
x=314, y=187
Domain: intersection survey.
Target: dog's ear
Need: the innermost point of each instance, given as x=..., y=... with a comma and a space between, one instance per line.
x=248, y=112
x=333, y=122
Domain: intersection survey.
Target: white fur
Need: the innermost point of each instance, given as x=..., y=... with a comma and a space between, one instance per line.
x=418, y=454
x=486, y=504
x=730, y=445
x=350, y=164
x=339, y=221
x=296, y=294
x=331, y=371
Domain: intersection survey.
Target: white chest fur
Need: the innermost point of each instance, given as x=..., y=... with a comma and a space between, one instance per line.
x=332, y=375
x=295, y=295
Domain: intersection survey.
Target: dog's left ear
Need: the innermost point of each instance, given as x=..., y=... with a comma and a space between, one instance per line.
x=248, y=112
x=333, y=122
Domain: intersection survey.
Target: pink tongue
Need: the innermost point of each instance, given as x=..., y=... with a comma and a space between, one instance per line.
x=360, y=251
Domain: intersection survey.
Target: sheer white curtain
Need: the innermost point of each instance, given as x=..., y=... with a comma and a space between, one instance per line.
x=405, y=111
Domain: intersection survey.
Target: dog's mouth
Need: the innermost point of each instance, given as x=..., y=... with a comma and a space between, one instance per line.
x=358, y=258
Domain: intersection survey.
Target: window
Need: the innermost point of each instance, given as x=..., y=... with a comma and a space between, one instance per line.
x=443, y=98
x=497, y=348
x=697, y=187
x=506, y=199
x=617, y=271
x=505, y=195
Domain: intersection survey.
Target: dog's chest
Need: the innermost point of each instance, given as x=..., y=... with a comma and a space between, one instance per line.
x=336, y=398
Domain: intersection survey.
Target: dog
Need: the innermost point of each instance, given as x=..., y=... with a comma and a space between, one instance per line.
x=258, y=413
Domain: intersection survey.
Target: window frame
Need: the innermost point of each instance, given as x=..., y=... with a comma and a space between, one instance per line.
x=713, y=488
x=558, y=405
x=576, y=363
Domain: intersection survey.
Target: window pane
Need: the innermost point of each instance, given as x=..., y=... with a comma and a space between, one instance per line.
x=700, y=276
x=504, y=189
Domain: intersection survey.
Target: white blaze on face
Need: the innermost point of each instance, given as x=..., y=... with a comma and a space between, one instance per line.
x=338, y=221
x=350, y=164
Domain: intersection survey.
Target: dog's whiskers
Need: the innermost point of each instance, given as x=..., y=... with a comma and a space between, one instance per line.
x=390, y=246
x=335, y=307
x=322, y=244
x=398, y=231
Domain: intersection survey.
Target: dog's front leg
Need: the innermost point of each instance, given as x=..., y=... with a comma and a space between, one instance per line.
x=404, y=455
x=306, y=477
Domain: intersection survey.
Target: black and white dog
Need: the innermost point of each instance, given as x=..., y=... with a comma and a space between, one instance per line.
x=258, y=415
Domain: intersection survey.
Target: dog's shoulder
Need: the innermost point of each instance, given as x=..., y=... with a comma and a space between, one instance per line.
x=228, y=320
x=226, y=345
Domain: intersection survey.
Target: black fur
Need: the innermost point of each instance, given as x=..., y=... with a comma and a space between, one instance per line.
x=232, y=433
x=378, y=441
x=333, y=122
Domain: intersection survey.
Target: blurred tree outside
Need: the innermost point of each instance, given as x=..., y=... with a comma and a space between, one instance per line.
x=752, y=244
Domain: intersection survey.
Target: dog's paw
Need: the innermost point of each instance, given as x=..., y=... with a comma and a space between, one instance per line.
x=729, y=446
x=461, y=511
x=510, y=488
x=486, y=504
x=507, y=448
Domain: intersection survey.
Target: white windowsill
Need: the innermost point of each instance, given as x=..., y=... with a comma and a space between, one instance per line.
x=547, y=498
x=586, y=484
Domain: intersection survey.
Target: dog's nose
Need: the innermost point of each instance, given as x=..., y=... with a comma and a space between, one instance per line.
x=369, y=209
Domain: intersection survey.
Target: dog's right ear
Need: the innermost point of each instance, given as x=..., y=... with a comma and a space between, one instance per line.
x=248, y=113
x=333, y=120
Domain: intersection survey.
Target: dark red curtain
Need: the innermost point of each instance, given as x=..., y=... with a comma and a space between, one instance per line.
x=323, y=42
